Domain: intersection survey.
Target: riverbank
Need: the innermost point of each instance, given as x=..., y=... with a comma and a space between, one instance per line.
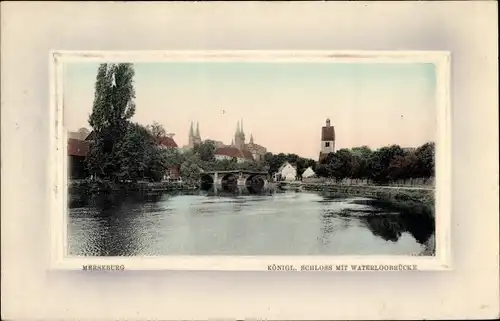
x=96, y=187
x=417, y=200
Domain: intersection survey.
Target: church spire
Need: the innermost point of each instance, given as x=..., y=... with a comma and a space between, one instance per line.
x=251, y=138
x=198, y=129
x=237, y=128
x=191, y=131
x=242, y=126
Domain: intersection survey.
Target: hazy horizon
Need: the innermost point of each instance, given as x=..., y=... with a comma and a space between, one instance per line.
x=283, y=105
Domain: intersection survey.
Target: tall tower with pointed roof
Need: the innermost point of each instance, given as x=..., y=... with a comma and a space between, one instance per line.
x=327, y=140
x=191, y=136
x=242, y=132
x=197, y=136
x=239, y=136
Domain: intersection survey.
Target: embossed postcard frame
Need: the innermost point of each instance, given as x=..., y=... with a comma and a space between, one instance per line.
x=58, y=164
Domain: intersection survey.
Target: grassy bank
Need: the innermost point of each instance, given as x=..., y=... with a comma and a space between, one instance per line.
x=417, y=201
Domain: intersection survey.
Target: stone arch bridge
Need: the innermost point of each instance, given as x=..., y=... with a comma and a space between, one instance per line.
x=240, y=178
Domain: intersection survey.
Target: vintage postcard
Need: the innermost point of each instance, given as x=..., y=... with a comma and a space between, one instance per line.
x=251, y=160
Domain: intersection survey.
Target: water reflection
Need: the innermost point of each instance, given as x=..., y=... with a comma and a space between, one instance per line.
x=242, y=222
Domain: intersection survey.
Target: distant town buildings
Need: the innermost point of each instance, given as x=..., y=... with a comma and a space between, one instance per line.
x=238, y=148
x=327, y=140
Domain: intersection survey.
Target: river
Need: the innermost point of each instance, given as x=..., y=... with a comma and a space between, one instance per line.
x=286, y=223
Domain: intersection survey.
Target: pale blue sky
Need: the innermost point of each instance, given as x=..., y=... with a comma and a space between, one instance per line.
x=283, y=105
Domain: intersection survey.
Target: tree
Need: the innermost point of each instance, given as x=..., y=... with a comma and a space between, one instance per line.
x=320, y=170
x=206, y=151
x=425, y=156
x=328, y=158
x=132, y=153
x=404, y=167
x=112, y=109
x=157, y=131
x=380, y=160
x=173, y=157
x=157, y=163
x=363, y=151
x=360, y=159
x=340, y=166
x=190, y=171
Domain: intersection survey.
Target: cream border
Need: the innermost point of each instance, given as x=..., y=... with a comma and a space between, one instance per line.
x=251, y=263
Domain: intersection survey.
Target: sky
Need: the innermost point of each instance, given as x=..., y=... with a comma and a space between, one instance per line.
x=283, y=105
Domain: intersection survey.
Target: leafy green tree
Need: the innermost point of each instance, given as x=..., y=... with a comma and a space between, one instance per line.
x=321, y=170
x=190, y=171
x=173, y=157
x=426, y=159
x=132, y=153
x=112, y=109
x=340, y=165
x=157, y=164
x=157, y=131
x=380, y=160
x=206, y=151
x=363, y=151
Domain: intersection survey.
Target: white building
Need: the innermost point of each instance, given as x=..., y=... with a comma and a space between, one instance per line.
x=286, y=172
x=308, y=173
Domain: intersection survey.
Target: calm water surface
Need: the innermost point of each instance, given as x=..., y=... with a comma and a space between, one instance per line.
x=277, y=224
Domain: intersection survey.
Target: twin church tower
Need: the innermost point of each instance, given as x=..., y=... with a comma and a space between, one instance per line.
x=194, y=137
x=239, y=137
x=239, y=140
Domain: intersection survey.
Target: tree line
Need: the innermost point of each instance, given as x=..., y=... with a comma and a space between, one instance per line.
x=384, y=165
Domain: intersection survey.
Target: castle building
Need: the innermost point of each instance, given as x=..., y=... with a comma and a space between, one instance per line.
x=327, y=140
x=257, y=151
x=238, y=149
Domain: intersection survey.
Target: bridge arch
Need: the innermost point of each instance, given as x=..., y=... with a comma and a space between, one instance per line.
x=255, y=182
x=206, y=182
x=229, y=181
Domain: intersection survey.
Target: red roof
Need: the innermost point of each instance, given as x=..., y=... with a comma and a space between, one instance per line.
x=328, y=133
x=247, y=154
x=168, y=142
x=229, y=151
x=78, y=147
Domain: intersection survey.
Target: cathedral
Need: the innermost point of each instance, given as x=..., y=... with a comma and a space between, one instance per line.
x=238, y=148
